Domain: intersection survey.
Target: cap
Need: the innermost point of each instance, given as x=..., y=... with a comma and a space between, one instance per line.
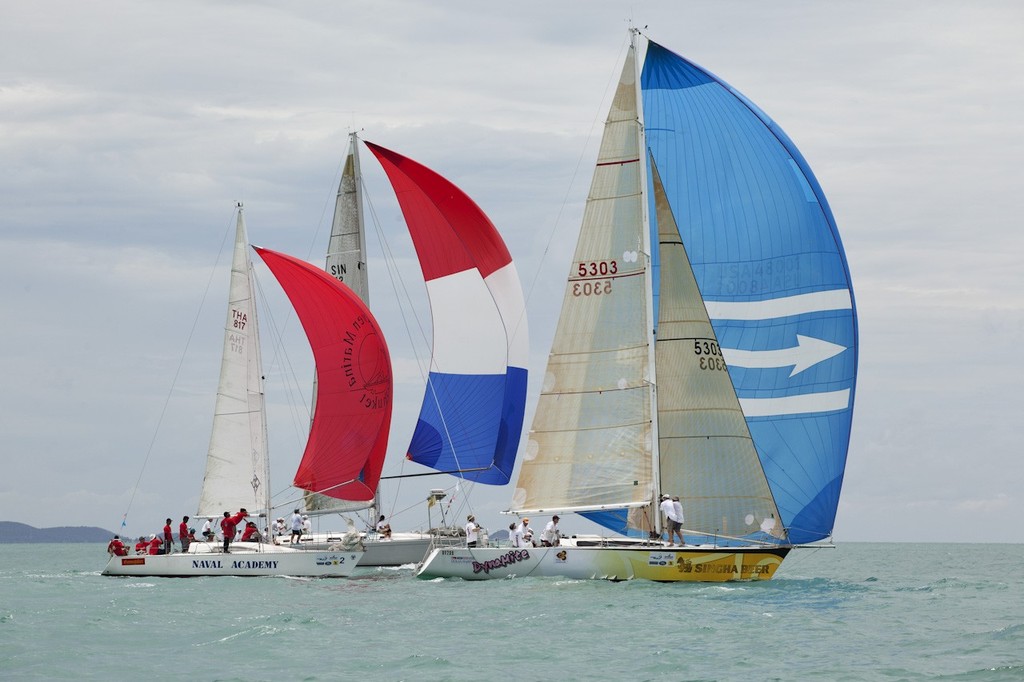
x=526, y=520
x=675, y=498
x=304, y=517
x=664, y=497
x=470, y=518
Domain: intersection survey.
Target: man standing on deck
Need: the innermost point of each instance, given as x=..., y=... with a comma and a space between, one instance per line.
x=228, y=526
x=550, y=536
x=471, y=531
x=183, y=534
x=677, y=507
x=168, y=538
x=668, y=513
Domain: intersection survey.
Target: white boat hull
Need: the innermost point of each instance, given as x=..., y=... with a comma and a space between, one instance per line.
x=663, y=564
x=401, y=549
x=245, y=559
x=396, y=551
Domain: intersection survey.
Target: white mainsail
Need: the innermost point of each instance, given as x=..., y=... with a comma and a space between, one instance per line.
x=237, y=466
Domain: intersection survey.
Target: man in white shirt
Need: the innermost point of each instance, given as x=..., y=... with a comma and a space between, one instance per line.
x=383, y=528
x=677, y=507
x=296, y=527
x=550, y=536
x=471, y=531
x=522, y=536
x=668, y=512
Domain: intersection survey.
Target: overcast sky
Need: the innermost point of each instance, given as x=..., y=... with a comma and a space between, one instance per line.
x=129, y=129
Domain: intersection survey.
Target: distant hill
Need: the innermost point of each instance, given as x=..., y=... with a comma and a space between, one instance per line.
x=19, y=532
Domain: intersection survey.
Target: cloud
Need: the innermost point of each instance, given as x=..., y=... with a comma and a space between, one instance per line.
x=127, y=135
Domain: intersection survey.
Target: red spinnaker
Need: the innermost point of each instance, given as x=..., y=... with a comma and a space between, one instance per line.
x=349, y=434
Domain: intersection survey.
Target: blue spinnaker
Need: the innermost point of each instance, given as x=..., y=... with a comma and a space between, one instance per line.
x=771, y=268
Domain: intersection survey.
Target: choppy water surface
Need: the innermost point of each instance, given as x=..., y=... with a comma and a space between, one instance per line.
x=858, y=612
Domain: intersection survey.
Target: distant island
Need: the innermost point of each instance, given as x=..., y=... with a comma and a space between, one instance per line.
x=20, y=532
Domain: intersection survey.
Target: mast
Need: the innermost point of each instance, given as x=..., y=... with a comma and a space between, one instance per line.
x=261, y=397
x=648, y=281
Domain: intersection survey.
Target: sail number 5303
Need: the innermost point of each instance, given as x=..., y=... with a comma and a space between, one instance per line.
x=599, y=287
x=709, y=354
x=598, y=268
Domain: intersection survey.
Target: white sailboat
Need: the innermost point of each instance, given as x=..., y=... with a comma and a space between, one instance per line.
x=358, y=387
x=472, y=412
x=705, y=241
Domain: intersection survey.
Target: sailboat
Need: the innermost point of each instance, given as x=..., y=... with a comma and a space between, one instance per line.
x=472, y=413
x=706, y=349
x=354, y=397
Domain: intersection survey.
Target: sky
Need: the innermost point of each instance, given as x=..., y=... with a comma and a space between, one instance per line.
x=128, y=130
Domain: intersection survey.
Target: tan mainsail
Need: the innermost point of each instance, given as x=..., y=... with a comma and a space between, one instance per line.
x=590, y=445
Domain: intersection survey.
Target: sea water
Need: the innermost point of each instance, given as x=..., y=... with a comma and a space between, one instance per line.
x=856, y=612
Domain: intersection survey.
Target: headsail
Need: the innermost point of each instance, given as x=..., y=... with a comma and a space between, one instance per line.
x=472, y=414
x=769, y=263
x=705, y=452
x=348, y=437
x=237, y=468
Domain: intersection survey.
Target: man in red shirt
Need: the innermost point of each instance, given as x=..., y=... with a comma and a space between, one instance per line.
x=252, y=533
x=141, y=546
x=116, y=547
x=154, y=545
x=168, y=538
x=183, y=534
x=229, y=524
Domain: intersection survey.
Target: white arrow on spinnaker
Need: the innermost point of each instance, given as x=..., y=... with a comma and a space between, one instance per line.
x=807, y=352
